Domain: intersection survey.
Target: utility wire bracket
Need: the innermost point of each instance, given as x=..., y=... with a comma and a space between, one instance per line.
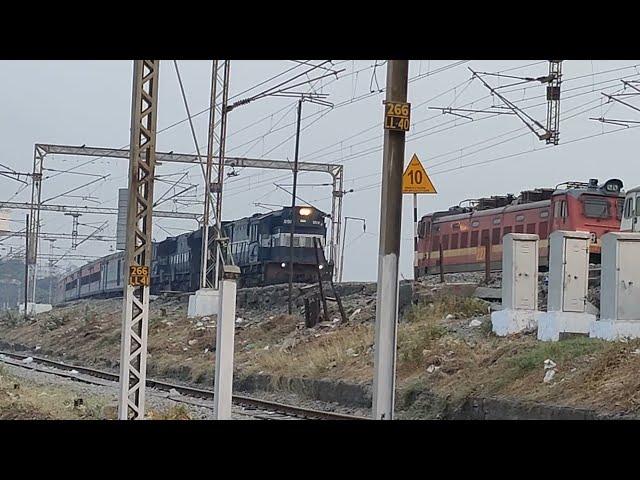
x=550, y=132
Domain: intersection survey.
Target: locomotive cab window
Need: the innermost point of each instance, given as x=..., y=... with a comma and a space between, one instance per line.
x=596, y=207
x=561, y=209
x=628, y=207
x=423, y=228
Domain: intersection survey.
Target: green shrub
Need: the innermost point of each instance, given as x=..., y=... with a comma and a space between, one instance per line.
x=534, y=357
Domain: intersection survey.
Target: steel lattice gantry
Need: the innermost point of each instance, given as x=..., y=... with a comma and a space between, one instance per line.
x=135, y=320
x=210, y=261
x=48, y=207
x=34, y=222
x=553, y=101
x=335, y=170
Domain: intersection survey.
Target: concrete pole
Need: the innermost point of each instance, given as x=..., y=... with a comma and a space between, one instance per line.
x=415, y=237
x=344, y=238
x=293, y=207
x=389, y=250
x=225, y=332
x=26, y=270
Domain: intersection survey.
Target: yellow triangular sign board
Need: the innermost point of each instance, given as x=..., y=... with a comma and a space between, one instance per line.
x=415, y=178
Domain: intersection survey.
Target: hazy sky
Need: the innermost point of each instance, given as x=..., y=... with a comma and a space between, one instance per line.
x=89, y=102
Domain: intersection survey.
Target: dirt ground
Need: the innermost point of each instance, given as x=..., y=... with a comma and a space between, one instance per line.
x=30, y=395
x=445, y=345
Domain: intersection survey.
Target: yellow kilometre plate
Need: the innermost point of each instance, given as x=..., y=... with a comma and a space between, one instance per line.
x=139, y=276
x=397, y=116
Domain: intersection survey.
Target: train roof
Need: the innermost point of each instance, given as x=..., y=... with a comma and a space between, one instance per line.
x=255, y=216
x=611, y=187
x=634, y=190
x=260, y=216
x=90, y=264
x=196, y=233
x=535, y=198
x=491, y=211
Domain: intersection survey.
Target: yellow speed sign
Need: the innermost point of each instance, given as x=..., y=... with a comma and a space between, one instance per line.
x=415, y=178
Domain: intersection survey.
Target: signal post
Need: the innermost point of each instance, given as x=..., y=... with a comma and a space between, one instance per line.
x=416, y=181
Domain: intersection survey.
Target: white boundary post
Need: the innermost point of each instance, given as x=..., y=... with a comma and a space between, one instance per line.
x=225, y=333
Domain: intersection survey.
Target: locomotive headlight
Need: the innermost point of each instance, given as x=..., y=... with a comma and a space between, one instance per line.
x=320, y=267
x=305, y=212
x=283, y=264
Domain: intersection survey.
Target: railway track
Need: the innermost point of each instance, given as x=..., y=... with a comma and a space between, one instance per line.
x=263, y=409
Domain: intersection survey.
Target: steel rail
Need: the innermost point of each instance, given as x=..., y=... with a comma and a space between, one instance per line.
x=241, y=400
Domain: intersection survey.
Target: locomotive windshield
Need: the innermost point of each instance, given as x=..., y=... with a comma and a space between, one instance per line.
x=596, y=207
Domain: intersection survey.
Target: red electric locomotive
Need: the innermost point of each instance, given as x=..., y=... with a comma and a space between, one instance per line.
x=461, y=234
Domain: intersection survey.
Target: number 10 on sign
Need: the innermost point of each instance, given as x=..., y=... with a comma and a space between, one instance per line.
x=415, y=178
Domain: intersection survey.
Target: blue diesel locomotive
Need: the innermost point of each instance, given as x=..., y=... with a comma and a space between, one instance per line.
x=260, y=246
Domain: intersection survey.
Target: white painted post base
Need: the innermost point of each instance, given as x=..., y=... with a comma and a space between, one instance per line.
x=204, y=302
x=615, y=329
x=507, y=322
x=35, y=308
x=386, y=333
x=225, y=332
x=552, y=324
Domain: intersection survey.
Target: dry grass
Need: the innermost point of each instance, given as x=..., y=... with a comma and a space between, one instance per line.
x=27, y=400
x=460, y=307
x=590, y=373
x=346, y=352
x=343, y=352
x=175, y=412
